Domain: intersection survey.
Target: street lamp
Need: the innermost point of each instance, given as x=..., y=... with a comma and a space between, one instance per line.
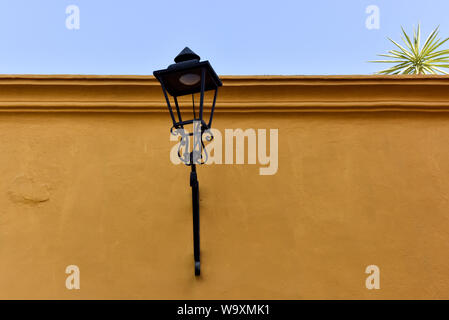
x=189, y=76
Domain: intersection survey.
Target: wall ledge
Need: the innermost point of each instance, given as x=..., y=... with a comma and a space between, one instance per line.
x=110, y=93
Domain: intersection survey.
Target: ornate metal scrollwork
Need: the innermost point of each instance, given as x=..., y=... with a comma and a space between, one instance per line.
x=200, y=134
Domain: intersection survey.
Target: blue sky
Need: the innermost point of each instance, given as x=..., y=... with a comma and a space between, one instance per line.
x=236, y=36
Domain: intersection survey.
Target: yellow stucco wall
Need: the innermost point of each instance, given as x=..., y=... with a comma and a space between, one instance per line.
x=98, y=190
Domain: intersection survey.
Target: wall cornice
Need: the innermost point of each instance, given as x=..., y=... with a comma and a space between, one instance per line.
x=92, y=93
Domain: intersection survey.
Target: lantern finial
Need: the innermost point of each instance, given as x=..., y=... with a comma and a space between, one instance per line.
x=186, y=54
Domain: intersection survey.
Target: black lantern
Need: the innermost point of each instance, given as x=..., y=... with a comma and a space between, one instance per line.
x=190, y=76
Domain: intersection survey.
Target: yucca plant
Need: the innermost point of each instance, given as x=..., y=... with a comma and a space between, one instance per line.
x=416, y=59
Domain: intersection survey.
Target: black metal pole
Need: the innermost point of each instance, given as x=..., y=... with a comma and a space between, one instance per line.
x=196, y=218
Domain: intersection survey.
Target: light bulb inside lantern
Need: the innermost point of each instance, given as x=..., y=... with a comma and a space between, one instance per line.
x=189, y=79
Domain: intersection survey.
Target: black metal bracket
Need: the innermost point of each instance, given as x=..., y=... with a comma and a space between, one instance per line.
x=196, y=218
